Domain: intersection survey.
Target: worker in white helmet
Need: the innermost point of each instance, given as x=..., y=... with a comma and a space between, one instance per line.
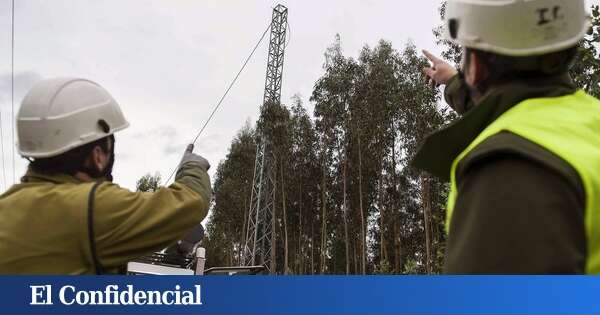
x=66, y=216
x=524, y=159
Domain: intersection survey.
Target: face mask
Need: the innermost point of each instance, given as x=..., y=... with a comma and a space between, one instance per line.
x=107, y=171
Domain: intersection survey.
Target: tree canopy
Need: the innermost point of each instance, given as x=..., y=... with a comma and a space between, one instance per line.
x=347, y=199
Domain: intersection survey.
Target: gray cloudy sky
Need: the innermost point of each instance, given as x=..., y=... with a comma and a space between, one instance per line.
x=168, y=62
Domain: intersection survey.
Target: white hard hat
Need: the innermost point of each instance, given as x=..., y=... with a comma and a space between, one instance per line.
x=60, y=114
x=517, y=27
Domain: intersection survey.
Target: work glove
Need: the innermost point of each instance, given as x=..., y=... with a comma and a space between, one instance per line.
x=190, y=157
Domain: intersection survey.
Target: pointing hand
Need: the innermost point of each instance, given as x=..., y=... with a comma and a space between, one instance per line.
x=440, y=72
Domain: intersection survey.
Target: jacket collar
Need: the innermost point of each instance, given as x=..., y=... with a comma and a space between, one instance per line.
x=439, y=149
x=31, y=177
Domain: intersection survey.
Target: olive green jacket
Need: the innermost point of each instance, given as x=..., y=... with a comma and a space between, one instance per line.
x=45, y=222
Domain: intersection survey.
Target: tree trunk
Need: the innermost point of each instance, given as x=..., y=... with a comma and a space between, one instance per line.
x=363, y=237
x=345, y=205
x=300, y=238
x=273, y=224
x=382, y=249
x=324, y=220
x=397, y=253
x=354, y=245
x=285, y=231
x=397, y=203
x=312, y=247
x=427, y=221
x=230, y=252
x=243, y=236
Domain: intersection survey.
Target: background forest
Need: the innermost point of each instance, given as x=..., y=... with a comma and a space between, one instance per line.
x=347, y=199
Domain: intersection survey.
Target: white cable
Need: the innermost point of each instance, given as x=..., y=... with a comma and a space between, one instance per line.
x=2, y=151
x=12, y=87
x=224, y=95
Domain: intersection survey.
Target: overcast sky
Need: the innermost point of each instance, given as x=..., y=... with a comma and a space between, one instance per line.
x=168, y=62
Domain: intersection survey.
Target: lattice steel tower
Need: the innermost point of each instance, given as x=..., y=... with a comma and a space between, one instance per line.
x=257, y=250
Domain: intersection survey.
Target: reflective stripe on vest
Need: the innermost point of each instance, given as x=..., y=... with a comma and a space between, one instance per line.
x=569, y=127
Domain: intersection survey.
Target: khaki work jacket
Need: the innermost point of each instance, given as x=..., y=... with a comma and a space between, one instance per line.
x=45, y=222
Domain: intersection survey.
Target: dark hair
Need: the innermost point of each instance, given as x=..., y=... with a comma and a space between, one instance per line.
x=501, y=69
x=71, y=161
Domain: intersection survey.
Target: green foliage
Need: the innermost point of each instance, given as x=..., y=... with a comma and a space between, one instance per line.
x=411, y=267
x=586, y=69
x=148, y=183
x=353, y=203
x=451, y=52
x=383, y=268
x=352, y=200
x=232, y=185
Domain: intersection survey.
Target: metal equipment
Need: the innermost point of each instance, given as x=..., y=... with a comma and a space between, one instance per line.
x=257, y=250
x=185, y=257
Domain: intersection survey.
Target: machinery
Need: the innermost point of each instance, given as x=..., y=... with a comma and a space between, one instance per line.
x=185, y=257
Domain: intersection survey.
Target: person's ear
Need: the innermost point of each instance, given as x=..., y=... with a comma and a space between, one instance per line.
x=471, y=69
x=476, y=71
x=99, y=158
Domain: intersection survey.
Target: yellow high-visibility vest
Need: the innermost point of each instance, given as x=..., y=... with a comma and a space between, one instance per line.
x=569, y=127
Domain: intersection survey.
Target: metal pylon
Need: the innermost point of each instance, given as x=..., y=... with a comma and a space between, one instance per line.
x=257, y=250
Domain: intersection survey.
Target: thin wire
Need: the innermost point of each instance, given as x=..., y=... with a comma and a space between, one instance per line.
x=12, y=86
x=289, y=33
x=224, y=95
x=2, y=146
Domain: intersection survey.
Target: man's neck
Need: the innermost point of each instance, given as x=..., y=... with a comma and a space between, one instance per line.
x=84, y=177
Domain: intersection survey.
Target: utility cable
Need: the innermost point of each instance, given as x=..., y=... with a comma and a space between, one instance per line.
x=12, y=86
x=224, y=95
x=2, y=147
x=289, y=34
